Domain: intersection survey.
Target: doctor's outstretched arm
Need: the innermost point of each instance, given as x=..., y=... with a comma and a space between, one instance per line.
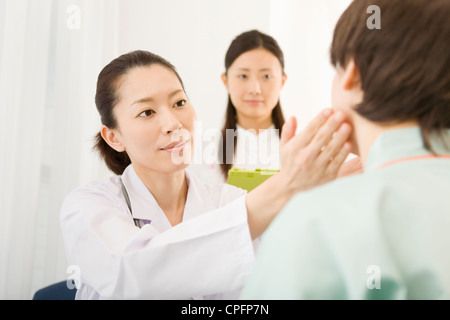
x=304, y=164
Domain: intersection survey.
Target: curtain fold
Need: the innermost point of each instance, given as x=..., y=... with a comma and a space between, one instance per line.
x=50, y=58
x=22, y=91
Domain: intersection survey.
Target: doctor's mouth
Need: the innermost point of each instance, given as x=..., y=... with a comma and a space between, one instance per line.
x=176, y=147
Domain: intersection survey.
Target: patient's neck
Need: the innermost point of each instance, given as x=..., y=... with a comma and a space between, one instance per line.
x=365, y=133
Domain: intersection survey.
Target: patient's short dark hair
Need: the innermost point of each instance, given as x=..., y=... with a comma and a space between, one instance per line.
x=404, y=66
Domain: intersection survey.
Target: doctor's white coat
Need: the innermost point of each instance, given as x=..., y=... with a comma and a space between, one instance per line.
x=208, y=255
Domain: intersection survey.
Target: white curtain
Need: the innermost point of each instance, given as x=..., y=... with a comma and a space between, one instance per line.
x=51, y=53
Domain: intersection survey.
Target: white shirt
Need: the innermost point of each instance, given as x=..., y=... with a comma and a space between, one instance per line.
x=253, y=151
x=208, y=254
x=257, y=151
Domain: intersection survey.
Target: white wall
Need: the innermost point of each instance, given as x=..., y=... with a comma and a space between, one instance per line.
x=304, y=30
x=194, y=35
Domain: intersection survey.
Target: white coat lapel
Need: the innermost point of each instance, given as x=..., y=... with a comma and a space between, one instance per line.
x=143, y=204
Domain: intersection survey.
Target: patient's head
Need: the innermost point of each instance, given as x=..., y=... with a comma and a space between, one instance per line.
x=399, y=73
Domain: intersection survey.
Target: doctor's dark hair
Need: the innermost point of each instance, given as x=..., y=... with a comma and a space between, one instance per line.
x=404, y=67
x=107, y=96
x=244, y=42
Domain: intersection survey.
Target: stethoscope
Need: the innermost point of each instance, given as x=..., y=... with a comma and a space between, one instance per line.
x=127, y=199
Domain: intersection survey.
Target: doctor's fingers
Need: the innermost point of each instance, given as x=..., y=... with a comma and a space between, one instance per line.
x=316, y=168
x=322, y=133
x=288, y=130
x=331, y=137
x=332, y=148
x=336, y=162
x=302, y=139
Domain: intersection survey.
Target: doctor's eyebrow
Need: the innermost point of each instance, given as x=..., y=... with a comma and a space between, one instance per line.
x=150, y=99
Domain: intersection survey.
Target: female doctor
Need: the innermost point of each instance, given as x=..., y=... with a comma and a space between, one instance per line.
x=155, y=232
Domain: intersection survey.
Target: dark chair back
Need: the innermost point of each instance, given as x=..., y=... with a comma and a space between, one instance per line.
x=56, y=291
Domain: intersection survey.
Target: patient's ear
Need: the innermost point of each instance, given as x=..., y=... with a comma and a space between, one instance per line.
x=351, y=78
x=112, y=138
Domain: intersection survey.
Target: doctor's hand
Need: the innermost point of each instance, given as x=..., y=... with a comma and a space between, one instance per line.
x=351, y=167
x=315, y=155
x=308, y=159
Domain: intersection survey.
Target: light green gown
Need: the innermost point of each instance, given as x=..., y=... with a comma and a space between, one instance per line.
x=382, y=234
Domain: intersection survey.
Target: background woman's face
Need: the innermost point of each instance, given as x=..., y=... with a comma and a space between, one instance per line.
x=254, y=82
x=155, y=119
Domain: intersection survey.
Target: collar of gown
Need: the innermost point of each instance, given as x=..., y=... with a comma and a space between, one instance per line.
x=402, y=144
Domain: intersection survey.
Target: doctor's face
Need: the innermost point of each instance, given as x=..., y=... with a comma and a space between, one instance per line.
x=155, y=119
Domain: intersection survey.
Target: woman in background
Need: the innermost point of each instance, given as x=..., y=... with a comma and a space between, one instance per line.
x=254, y=77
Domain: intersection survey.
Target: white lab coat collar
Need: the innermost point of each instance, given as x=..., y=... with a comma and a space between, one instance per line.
x=145, y=207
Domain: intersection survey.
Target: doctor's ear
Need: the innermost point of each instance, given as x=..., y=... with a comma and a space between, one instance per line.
x=111, y=136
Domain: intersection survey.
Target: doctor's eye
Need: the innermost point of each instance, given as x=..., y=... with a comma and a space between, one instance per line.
x=146, y=113
x=180, y=103
x=267, y=76
x=242, y=76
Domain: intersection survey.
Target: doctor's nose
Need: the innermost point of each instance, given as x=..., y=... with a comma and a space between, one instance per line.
x=170, y=124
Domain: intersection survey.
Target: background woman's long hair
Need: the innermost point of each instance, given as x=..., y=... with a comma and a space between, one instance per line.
x=246, y=41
